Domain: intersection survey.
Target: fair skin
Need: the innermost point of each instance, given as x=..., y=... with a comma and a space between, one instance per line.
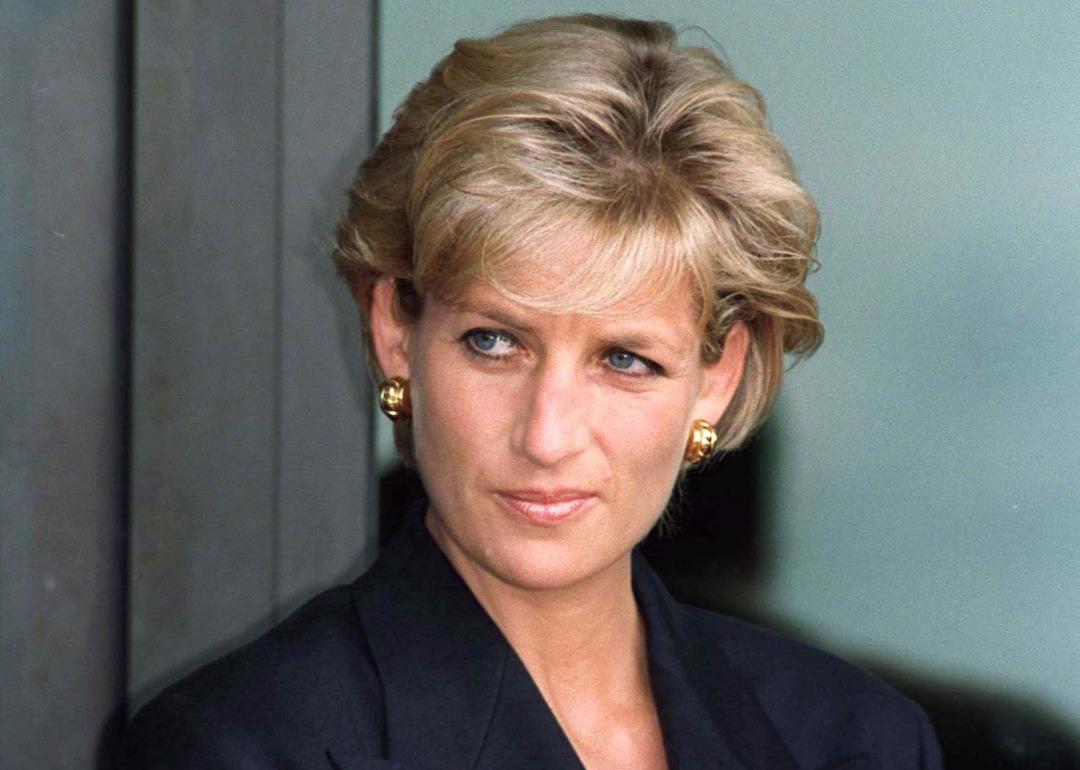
x=548, y=445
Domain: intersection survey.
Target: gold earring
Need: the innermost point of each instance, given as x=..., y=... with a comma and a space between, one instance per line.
x=702, y=442
x=394, y=398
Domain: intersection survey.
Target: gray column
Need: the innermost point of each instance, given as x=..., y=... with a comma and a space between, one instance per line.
x=327, y=494
x=250, y=475
x=63, y=257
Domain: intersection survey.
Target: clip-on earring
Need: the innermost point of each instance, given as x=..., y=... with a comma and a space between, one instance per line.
x=394, y=398
x=701, y=443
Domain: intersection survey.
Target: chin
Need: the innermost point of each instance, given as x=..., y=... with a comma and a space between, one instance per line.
x=549, y=564
x=528, y=555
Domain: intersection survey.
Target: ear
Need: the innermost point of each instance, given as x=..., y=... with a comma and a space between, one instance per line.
x=722, y=378
x=389, y=334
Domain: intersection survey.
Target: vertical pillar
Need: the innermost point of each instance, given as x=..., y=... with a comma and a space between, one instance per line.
x=250, y=475
x=63, y=265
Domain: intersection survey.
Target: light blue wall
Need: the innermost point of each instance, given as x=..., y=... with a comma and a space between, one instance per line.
x=925, y=504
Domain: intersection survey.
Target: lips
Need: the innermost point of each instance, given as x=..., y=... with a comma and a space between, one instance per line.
x=547, y=507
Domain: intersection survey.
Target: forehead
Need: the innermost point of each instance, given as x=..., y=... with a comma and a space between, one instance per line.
x=674, y=304
x=567, y=268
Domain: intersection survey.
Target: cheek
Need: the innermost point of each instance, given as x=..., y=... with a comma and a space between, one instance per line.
x=644, y=437
x=456, y=419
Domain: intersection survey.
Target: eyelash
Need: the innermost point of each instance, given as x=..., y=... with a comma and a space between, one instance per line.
x=466, y=341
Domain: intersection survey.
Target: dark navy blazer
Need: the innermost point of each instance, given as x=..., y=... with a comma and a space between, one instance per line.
x=404, y=669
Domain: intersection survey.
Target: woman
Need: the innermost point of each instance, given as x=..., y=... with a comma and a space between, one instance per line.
x=580, y=256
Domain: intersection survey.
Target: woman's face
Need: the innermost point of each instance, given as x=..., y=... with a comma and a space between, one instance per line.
x=549, y=444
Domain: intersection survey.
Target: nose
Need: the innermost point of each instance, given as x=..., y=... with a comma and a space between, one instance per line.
x=553, y=427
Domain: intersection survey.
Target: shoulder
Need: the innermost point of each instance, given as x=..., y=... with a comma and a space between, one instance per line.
x=306, y=685
x=824, y=708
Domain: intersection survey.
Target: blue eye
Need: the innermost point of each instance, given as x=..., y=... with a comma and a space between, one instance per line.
x=629, y=363
x=485, y=340
x=489, y=343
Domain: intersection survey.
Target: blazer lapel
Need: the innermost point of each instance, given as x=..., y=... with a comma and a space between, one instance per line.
x=456, y=695
x=524, y=733
x=710, y=716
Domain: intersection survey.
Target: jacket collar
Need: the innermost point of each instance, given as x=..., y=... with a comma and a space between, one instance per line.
x=709, y=713
x=457, y=697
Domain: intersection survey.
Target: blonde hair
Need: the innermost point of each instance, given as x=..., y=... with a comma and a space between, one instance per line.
x=608, y=128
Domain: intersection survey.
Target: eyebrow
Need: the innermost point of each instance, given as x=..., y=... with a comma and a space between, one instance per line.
x=635, y=341
x=499, y=316
x=630, y=341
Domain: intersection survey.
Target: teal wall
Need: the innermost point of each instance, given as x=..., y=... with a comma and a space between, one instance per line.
x=925, y=483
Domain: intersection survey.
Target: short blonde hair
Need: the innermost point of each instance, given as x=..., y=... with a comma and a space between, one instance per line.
x=605, y=127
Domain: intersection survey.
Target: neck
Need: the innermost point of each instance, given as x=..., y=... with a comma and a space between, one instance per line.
x=583, y=638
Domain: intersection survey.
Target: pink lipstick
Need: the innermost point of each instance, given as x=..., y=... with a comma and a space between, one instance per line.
x=547, y=507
